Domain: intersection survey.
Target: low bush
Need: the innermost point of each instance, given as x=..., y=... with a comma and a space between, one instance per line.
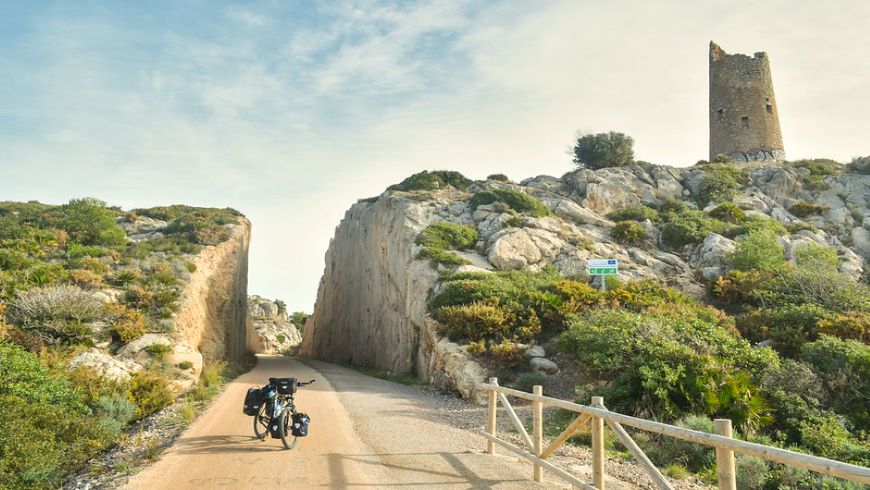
x=498, y=178
x=149, y=390
x=57, y=313
x=853, y=325
x=430, y=181
x=85, y=278
x=507, y=353
x=802, y=209
x=127, y=324
x=664, y=450
x=628, y=233
x=440, y=256
x=819, y=166
x=39, y=446
x=752, y=472
x=728, y=212
x=720, y=183
x=757, y=250
x=184, y=365
x=516, y=200
x=445, y=235
x=844, y=368
x=685, y=229
x=634, y=213
x=87, y=221
x=527, y=380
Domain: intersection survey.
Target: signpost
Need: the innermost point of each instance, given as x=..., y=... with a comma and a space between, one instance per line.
x=602, y=267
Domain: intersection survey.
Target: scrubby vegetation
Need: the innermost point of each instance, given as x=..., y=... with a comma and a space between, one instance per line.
x=628, y=233
x=431, y=181
x=611, y=149
x=802, y=209
x=515, y=200
x=71, y=278
x=665, y=356
x=720, y=183
x=438, y=239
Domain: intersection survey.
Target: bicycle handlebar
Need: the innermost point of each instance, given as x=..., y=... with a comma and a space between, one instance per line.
x=305, y=383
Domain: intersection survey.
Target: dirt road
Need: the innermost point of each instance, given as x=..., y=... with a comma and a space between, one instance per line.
x=365, y=433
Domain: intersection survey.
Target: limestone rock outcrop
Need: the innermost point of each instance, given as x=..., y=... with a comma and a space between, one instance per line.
x=276, y=334
x=371, y=306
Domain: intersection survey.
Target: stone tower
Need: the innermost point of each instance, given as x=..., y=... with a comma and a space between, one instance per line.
x=744, y=120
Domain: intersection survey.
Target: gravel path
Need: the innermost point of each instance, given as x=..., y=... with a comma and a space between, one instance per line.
x=365, y=433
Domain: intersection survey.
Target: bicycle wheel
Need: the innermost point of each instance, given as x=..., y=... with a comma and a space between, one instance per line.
x=261, y=423
x=287, y=438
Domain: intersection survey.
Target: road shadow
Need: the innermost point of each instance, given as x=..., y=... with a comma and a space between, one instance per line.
x=418, y=470
x=225, y=444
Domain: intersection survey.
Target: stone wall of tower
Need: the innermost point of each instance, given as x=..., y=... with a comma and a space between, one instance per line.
x=744, y=120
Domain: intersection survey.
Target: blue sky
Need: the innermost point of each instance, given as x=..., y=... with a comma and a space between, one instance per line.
x=291, y=111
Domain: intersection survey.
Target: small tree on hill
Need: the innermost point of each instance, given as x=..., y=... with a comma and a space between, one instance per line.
x=602, y=150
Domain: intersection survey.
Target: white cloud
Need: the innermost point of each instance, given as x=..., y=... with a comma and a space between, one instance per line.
x=245, y=16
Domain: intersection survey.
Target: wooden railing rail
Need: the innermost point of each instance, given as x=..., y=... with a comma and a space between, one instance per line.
x=598, y=415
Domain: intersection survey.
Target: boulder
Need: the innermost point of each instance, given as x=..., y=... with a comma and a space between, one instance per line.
x=543, y=365
x=534, y=351
x=185, y=353
x=105, y=365
x=861, y=242
x=134, y=348
x=513, y=249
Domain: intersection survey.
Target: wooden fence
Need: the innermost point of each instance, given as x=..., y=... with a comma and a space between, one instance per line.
x=597, y=415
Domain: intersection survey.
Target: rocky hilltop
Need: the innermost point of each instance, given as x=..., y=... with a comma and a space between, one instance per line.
x=274, y=330
x=371, y=306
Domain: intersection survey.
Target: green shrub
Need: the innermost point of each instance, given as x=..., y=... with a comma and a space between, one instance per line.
x=802, y=209
x=728, y=212
x=127, y=324
x=114, y=411
x=150, y=391
x=475, y=321
x=439, y=256
x=628, y=233
x=516, y=200
x=40, y=446
x=799, y=226
x=816, y=256
x=299, y=318
x=684, y=229
x=602, y=150
x=57, y=313
x=445, y=235
x=853, y=325
x=634, y=213
x=159, y=351
x=507, y=353
x=676, y=471
x=184, y=365
x=527, y=380
x=76, y=250
x=720, y=183
x=757, y=250
x=280, y=339
x=515, y=222
x=696, y=457
x=87, y=221
x=430, y=181
x=498, y=177
x=819, y=166
x=844, y=368
x=752, y=472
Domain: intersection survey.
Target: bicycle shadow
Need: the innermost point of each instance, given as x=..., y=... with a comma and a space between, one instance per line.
x=225, y=444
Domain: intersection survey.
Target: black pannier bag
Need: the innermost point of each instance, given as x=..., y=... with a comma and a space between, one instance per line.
x=285, y=386
x=253, y=401
x=300, y=424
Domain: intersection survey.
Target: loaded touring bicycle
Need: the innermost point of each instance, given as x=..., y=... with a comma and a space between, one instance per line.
x=274, y=411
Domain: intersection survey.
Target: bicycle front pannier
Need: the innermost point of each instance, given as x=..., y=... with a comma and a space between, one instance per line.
x=285, y=386
x=300, y=424
x=253, y=401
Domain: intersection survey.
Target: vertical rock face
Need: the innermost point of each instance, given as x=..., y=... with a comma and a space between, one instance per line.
x=371, y=304
x=213, y=313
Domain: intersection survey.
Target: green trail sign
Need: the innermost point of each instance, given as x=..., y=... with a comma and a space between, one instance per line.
x=602, y=267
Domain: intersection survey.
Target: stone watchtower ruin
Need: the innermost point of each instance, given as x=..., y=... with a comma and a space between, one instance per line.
x=744, y=121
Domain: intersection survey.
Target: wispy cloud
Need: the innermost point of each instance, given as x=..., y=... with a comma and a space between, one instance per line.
x=245, y=16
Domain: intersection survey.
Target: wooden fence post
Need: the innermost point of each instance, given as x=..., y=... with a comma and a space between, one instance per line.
x=490, y=416
x=725, y=470
x=538, y=422
x=598, y=446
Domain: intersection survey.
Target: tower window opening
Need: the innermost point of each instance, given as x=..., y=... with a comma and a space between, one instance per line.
x=769, y=109
x=744, y=121
x=721, y=114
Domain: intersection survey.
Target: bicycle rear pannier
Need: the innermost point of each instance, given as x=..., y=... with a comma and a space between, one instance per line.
x=285, y=386
x=300, y=424
x=253, y=401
